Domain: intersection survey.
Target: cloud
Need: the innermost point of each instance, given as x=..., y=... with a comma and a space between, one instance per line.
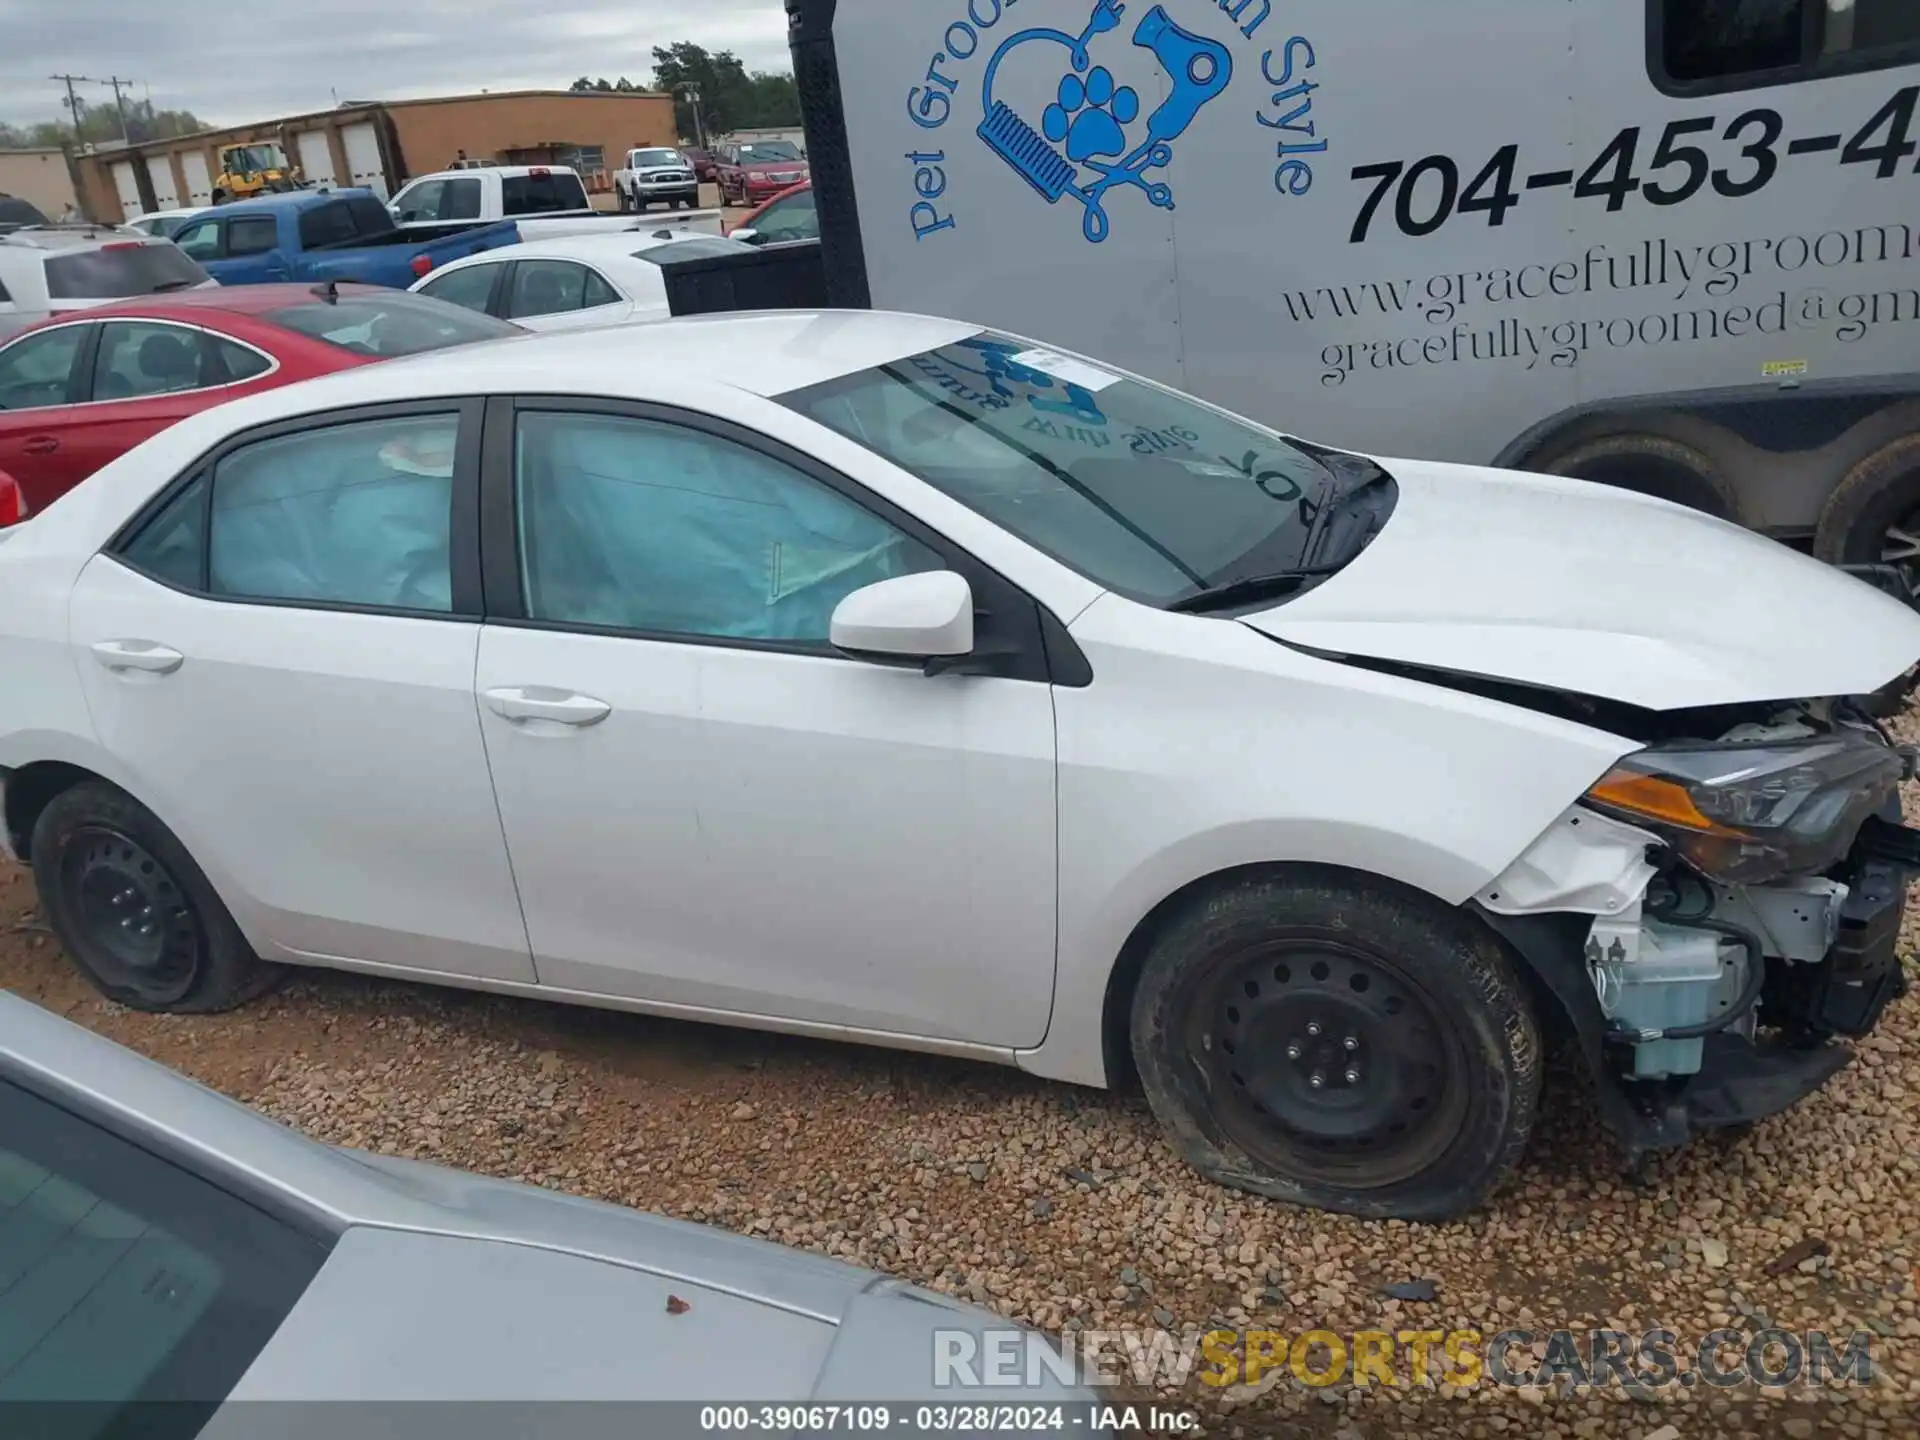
x=235, y=63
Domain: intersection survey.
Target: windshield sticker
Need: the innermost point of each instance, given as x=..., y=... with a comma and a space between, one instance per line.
x=1090, y=378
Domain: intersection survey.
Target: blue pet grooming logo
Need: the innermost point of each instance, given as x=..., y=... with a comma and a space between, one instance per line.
x=1052, y=110
x=1089, y=114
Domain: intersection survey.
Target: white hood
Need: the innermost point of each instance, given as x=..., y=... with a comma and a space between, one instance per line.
x=1562, y=584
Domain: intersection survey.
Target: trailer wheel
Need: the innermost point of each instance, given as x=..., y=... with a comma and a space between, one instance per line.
x=1873, y=515
x=1652, y=465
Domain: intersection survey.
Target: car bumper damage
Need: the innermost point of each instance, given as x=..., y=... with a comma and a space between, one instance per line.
x=1711, y=965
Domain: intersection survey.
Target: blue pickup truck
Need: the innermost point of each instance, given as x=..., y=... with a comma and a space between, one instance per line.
x=327, y=235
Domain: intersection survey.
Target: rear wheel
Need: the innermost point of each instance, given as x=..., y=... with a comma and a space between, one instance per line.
x=1319, y=1038
x=1873, y=515
x=133, y=911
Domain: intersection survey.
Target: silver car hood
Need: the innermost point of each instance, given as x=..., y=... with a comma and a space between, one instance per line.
x=1576, y=587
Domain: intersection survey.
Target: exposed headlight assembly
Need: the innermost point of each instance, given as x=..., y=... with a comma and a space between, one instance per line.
x=1747, y=813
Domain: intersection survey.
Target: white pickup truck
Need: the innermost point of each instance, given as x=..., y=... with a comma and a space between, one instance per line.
x=544, y=201
x=656, y=173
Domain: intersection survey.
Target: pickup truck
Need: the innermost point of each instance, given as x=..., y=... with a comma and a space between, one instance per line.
x=545, y=201
x=656, y=172
x=327, y=235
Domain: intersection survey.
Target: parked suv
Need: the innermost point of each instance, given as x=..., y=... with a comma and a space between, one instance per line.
x=758, y=170
x=16, y=213
x=47, y=270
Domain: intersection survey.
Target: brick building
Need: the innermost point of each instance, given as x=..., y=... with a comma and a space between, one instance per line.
x=383, y=144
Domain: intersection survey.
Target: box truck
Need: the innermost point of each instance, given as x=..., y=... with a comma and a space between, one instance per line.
x=1671, y=245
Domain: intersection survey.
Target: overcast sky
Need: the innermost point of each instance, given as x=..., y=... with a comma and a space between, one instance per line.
x=232, y=63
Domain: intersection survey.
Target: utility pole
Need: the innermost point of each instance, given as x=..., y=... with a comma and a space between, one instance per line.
x=116, y=82
x=73, y=100
x=692, y=92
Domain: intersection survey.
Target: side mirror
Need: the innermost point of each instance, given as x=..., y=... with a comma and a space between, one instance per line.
x=911, y=617
x=747, y=235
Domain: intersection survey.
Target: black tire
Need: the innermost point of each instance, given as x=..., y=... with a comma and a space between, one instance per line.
x=1258, y=986
x=104, y=864
x=1873, y=515
x=1655, y=465
x=620, y=200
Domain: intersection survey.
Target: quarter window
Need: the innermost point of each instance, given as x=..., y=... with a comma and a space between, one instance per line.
x=357, y=514
x=1730, y=44
x=38, y=370
x=634, y=525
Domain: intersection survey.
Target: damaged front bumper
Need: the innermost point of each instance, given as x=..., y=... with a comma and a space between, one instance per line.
x=1583, y=910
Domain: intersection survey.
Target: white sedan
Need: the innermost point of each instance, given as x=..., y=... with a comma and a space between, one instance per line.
x=880, y=677
x=576, y=281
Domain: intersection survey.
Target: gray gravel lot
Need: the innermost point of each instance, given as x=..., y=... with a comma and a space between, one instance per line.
x=1063, y=1208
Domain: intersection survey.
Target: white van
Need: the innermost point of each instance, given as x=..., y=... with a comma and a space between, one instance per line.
x=1672, y=245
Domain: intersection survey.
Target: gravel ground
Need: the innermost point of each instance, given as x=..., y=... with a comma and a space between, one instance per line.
x=1063, y=1208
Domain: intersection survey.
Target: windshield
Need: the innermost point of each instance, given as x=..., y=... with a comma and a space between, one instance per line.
x=657, y=157
x=1139, y=488
x=249, y=159
x=122, y=268
x=390, y=325
x=763, y=150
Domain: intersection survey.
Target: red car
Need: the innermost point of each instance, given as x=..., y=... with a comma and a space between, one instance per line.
x=758, y=170
x=81, y=390
x=787, y=216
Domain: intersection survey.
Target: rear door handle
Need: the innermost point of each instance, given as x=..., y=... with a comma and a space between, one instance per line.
x=121, y=656
x=520, y=703
x=41, y=445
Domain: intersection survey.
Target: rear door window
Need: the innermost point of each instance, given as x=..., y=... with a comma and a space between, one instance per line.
x=137, y=359
x=252, y=235
x=546, y=287
x=112, y=271
x=126, y=1281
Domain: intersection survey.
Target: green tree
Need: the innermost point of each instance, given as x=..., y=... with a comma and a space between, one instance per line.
x=99, y=123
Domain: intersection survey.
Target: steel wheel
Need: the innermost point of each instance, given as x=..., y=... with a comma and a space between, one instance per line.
x=1327, y=1063
x=138, y=928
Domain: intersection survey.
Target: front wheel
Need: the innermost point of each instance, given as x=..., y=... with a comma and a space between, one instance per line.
x=1316, y=1037
x=133, y=911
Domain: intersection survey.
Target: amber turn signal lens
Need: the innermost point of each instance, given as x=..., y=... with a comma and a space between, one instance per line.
x=1654, y=798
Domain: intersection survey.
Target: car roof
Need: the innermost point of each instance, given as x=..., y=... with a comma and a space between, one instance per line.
x=294, y=200
x=598, y=245
x=504, y=171
x=764, y=353
x=230, y=299
x=76, y=237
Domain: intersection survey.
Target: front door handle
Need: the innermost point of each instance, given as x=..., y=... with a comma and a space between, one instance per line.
x=121, y=656
x=520, y=703
x=41, y=444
